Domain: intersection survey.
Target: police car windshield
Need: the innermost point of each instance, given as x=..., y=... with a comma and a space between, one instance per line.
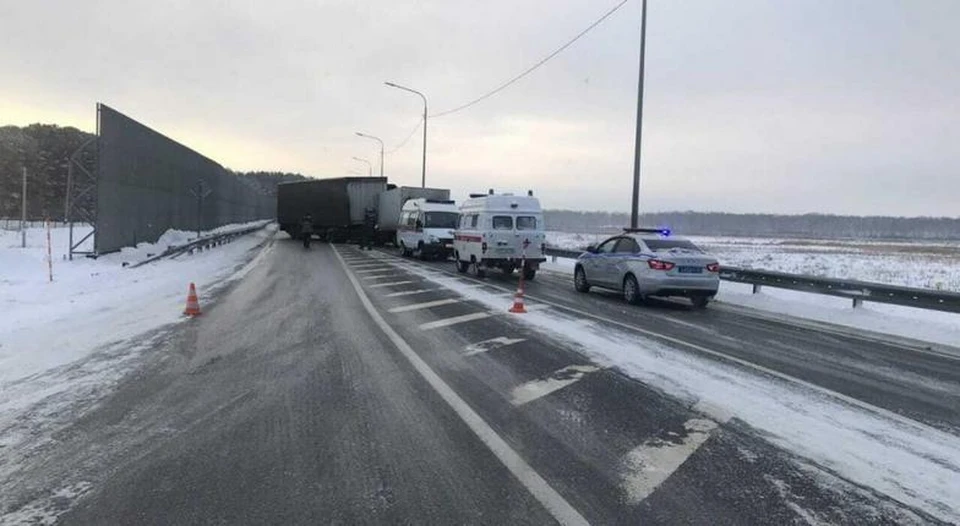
x=657, y=245
x=440, y=220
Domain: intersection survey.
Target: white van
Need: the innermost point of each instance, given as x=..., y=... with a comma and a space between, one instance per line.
x=500, y=231
x=426, y=228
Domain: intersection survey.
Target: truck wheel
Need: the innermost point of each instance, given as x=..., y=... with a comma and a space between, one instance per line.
x=529, y=274
x=507, y=271
x=463, y=266
x=421, y=255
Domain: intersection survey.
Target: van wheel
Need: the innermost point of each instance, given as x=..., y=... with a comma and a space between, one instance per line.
x=507, y=271
x=481, y=272
x=631, y=290
x=403, y=250
x=421, y=255
x=463, y=266
x=529, y=274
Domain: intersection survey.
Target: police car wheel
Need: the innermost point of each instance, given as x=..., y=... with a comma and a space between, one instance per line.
x=631, y=290
x=580, y=280
x=700, y=302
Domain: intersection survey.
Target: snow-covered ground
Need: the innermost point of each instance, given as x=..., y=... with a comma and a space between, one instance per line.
x=67, y=340
x=932, y=265
x=912, y=463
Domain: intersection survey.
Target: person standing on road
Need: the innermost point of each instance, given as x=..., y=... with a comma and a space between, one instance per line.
x=306, y=229
x=369, y=228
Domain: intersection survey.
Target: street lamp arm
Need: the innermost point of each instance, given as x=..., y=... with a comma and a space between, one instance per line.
x=404, y=88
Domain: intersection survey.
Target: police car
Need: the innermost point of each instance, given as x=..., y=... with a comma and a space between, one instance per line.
x=645, y=262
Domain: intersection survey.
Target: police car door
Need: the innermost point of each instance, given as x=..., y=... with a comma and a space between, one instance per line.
x=625, y=251
x=600, y=264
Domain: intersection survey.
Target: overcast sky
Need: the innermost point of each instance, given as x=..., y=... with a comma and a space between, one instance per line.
x=840, y=106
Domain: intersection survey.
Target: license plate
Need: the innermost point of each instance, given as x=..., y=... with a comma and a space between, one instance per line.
x=503, y=251
x=690, y=270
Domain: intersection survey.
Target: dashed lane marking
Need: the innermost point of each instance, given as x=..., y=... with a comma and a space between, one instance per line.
x=390, y=284
x=491, y=344
x=553, y=502
x=404, y=292
x=645, y=467
x=372, y=270
x=424, y=305
x=531, y=391
x=381, y=276
x=446, y=322
x=371, y=265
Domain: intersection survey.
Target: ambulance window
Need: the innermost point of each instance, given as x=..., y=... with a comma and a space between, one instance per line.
x=526, y=223
x=502, y=223
x=473, y=221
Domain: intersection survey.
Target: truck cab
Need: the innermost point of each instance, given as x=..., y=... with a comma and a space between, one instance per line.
x=501, y=231
x=426, y=227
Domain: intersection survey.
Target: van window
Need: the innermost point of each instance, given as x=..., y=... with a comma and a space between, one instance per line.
x=411, y=219
x=526, y=223
x=502, y=222
x=473, y=221
x=440, y=220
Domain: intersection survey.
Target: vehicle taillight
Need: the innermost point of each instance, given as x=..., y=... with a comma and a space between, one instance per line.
x=483, y=246
x=656, y=264
x=713, y=267
x=543, y=248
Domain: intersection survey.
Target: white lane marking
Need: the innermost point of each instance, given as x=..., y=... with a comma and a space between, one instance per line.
x=390, y=284
x=424, y=305
x=491, y=344
x=379, y=268
x=886, y=413
x=405, y=292
x=647, y=466
x=446, y=322
x=535, y=389
x=541, y=490
x=381, y=276
x=370, y=265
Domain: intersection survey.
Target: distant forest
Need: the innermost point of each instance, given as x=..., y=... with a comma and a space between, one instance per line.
x=820, y=226
x=44, y=150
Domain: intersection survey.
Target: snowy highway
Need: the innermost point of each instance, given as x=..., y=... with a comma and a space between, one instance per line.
x=350, y=387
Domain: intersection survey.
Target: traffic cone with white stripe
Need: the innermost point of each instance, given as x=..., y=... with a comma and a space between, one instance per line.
x=518, y=307
x=193, y=303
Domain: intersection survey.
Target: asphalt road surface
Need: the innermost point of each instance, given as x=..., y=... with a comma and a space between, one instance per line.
x=328, y=387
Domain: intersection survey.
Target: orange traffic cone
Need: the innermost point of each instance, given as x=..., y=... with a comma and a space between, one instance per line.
x=518, y=307
x=193, y=304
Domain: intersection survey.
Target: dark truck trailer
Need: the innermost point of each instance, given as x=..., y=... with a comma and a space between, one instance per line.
x=338, y=205
x=391, y=204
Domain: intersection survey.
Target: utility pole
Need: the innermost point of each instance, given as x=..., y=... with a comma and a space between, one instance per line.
x=635, y=209
x=23, y=211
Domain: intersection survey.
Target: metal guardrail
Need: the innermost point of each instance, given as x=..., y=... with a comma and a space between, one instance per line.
x=856, y=291
x=201, y=244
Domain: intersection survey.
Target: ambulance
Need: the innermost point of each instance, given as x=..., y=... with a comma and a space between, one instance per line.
x=502, y=231
x=425, y=228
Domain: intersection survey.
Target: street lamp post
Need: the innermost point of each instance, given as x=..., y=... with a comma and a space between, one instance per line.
x=381, y=148
x=635, y=209
x=369, y=165
x=423, y=176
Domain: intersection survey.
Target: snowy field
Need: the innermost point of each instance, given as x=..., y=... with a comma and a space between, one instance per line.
x=64, y=342
x=925, y=265
x=932, y=265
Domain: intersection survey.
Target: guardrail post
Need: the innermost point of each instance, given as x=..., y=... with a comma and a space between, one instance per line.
x=553, y=259
x=857, y=302
x=756, y=288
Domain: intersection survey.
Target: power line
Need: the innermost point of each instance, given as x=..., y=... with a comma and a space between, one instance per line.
x=535, y=66
x=405, y=141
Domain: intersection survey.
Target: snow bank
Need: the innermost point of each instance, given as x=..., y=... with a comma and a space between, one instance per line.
x=93, y=302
